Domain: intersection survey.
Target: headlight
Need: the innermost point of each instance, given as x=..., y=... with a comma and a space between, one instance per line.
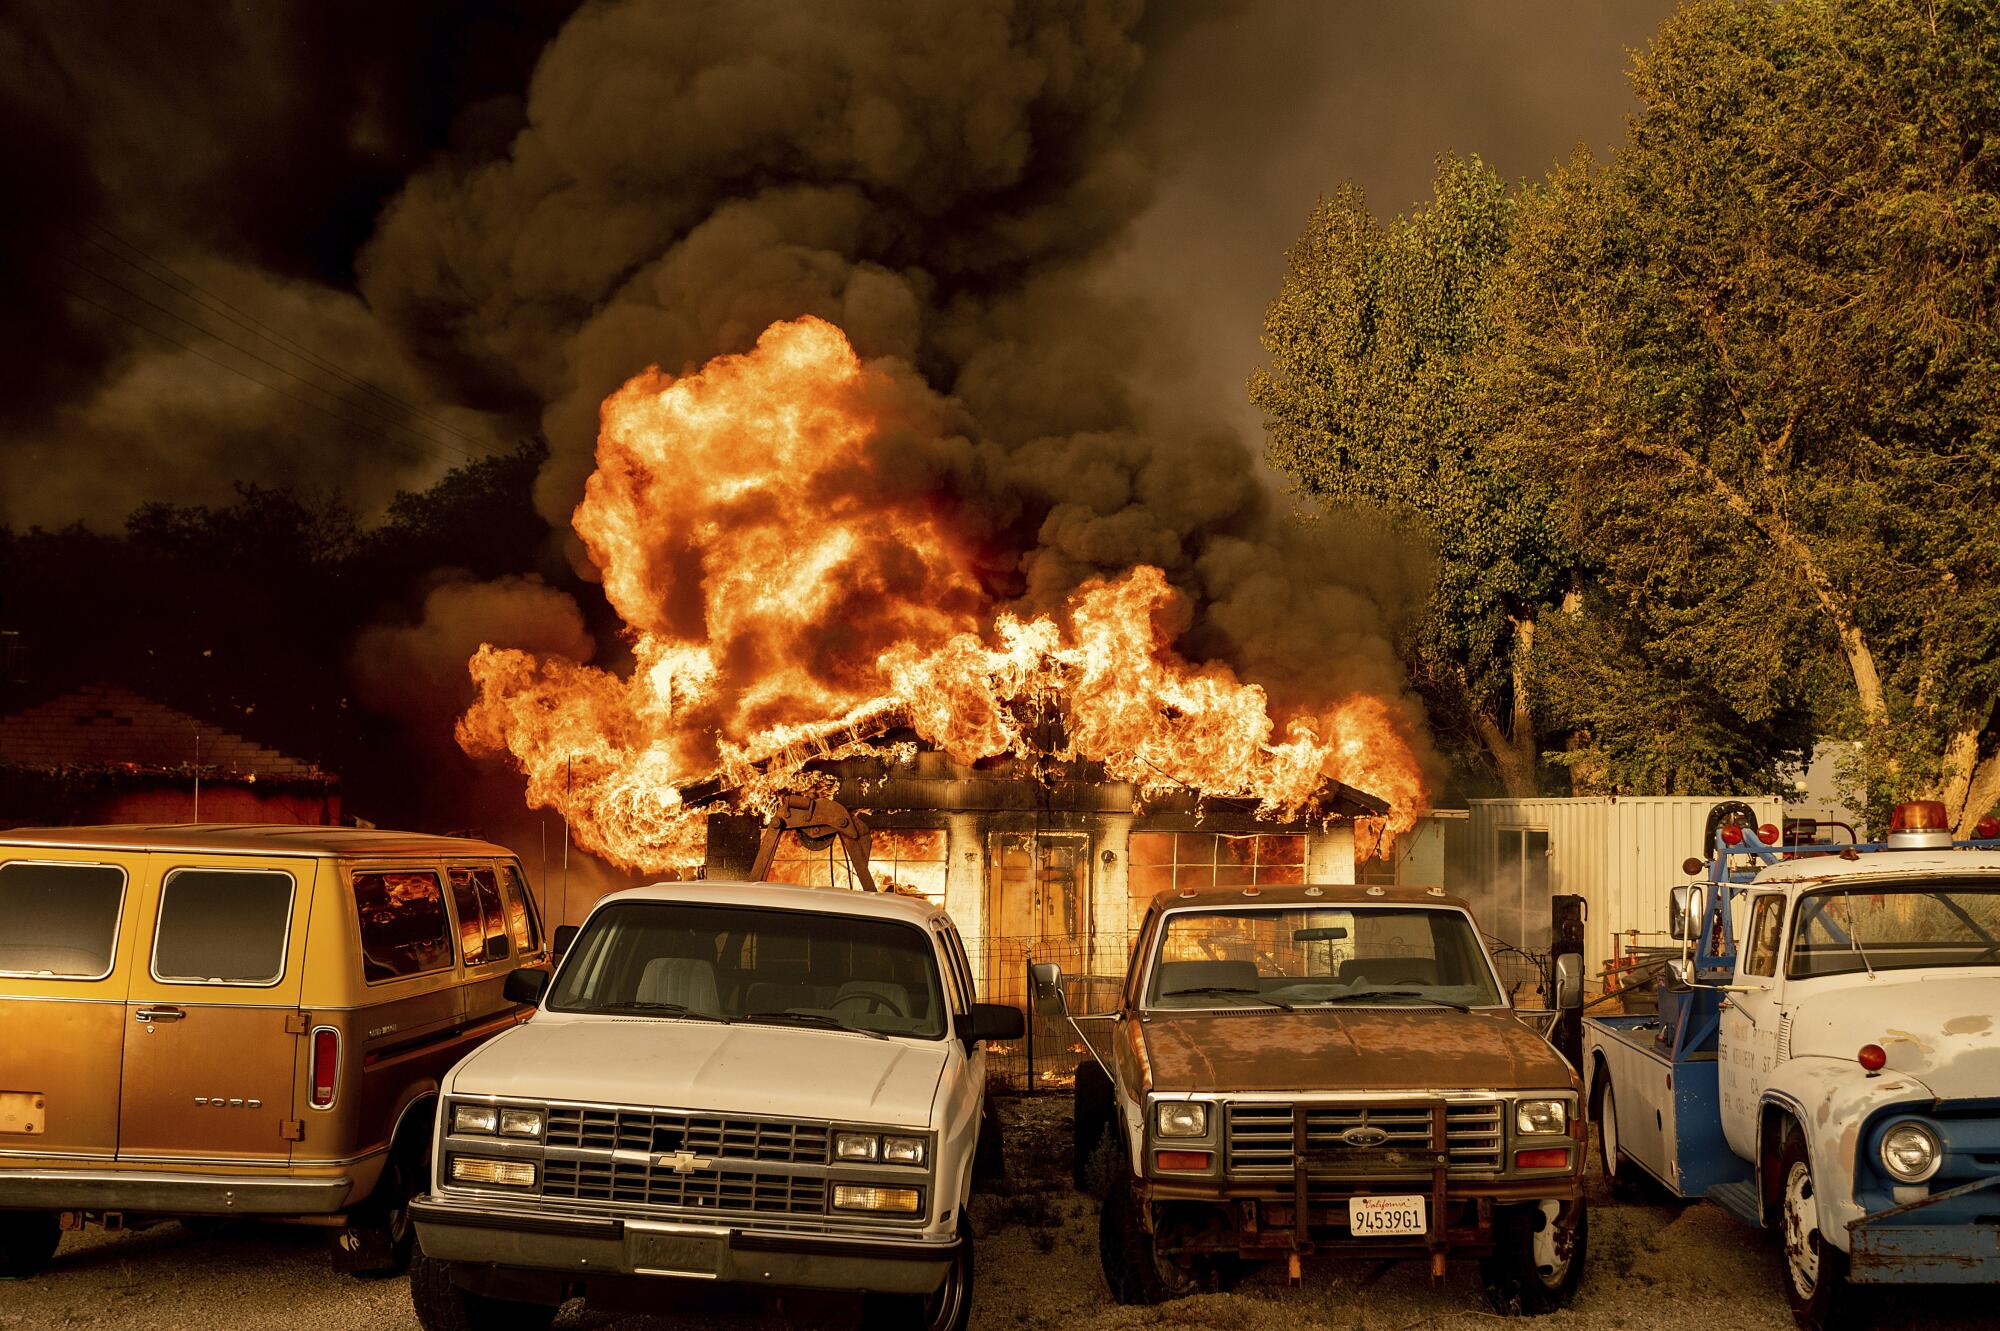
x=903, y=1150
x=1181, y=1118
x=1541, y=1116
x=1910, y=1152
x=857, y=1146
x=521, y=1123
x=482, y=1119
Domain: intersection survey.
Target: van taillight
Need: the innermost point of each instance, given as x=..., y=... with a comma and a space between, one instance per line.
x=325, y=1066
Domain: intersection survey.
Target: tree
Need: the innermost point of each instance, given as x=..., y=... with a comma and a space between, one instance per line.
x=1376, y=341
x=1767, y=326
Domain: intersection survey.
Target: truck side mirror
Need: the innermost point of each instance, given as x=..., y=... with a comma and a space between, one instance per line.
x=1681, y=907
x=1569, y=981
x=565, y=935
x=1049, y=1000
x=993, y=1021
x=525, y=985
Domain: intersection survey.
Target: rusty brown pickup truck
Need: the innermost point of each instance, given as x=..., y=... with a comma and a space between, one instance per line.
x=1326, y=1069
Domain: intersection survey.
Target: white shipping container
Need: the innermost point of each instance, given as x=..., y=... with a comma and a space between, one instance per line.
x=1621, y=854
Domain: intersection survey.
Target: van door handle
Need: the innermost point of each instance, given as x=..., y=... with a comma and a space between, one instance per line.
x=158, y=1014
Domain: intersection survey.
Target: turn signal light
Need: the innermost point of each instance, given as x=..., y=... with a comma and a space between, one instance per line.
x=478, y=1169
x=1872, y=1057
x=1986, y=829
x=1548, y=1157
x=1768, y=834
x=1732, y=834
x=853, y=1197
x=1181, y=1161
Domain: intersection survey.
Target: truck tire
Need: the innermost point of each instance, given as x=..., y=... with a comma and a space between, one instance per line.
x=1621, y=1176
x=1133, y=1267
x=989, y=1152
x=1815, y=1270
x=1092, y=1123
x=444, y=1306
x=380, y=1238
x=28, y=1241
x=1536, y=1264
x=948, y=1308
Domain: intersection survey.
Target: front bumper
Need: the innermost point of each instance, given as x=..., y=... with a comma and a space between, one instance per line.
x=171, y=1194
x=579, y=1247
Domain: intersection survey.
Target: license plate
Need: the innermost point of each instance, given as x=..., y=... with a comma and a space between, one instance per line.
x=653, y=1253
x=22, y=1111
x=1385, y=1217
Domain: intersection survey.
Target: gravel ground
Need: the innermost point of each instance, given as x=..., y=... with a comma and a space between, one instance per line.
x=1650, y=1266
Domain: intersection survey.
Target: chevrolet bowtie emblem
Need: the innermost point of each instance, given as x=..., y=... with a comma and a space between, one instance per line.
x=683, y=1162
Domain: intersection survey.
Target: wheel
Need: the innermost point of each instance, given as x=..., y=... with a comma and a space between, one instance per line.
x=1815, y=1270
x=380, y=1238
x=1537, y=1259
x=1093, y=1121
x=28, y=1241
x=1133, y=1265
x=1621, y=1176
x=947, y=1308
x=443, y=1306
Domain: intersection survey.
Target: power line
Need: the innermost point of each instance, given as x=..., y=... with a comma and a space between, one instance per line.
x=363, y=431
x=265, y=360
x=250, y=323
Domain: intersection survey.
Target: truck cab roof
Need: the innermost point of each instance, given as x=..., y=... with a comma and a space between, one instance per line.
x=1314, y=896
x=1816, y=870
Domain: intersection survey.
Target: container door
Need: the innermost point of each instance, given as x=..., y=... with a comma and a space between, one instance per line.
x=65, y=922
x=213, y=1029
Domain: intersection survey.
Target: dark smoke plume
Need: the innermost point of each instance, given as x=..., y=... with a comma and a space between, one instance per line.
x=942, y=181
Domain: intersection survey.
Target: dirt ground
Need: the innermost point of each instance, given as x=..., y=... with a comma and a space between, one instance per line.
x=1649, y=1266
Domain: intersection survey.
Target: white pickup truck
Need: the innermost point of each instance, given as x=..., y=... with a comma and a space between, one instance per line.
x=723, y=1084
x=1827, y=1059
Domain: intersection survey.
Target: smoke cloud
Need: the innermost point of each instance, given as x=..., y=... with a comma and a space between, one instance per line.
x=945, y=183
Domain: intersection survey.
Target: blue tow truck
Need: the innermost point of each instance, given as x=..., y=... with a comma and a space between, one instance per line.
x=1825, y=1061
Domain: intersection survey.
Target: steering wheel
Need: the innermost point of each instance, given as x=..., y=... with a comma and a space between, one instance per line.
x=876, y=1003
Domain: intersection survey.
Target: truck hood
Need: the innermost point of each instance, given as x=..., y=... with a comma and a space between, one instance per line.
x=1355, y=1049
x=1940, y=1029
x=779, y=1071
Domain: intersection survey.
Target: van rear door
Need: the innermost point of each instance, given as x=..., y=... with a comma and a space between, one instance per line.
x=65, y=922
x=213, y=1030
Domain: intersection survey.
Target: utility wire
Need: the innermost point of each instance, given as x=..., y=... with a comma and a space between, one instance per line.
x=363, y=431
x=250, y=323
x=265, y=360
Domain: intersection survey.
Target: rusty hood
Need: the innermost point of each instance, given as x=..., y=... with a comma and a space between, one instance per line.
x=1351, y=1049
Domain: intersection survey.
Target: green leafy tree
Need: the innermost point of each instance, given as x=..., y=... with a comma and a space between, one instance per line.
x=1760, y=346
x=1371, y=401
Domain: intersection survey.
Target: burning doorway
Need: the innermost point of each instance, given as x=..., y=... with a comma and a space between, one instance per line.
x=1038, y=907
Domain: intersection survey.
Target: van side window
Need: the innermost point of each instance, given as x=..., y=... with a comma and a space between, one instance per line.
x=223, y=926
x=59, y=920
x=482, y=930
x=404, y=928
x=520, y=909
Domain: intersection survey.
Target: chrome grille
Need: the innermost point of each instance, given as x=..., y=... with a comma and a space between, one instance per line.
x=775, y=1141
x=1260, y=1137
x=700, y=1190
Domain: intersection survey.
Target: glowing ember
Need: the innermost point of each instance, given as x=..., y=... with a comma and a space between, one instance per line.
x=786, y=598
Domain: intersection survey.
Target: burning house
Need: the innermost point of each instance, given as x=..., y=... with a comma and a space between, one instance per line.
x=814, y=610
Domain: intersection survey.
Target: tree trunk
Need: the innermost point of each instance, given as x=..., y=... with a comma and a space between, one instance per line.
x=1971, y=781
x=1515, y=749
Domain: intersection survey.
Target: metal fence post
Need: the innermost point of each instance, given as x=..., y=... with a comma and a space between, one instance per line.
x=1028, y=973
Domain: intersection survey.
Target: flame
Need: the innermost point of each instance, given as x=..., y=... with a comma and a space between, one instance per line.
x=787, y=598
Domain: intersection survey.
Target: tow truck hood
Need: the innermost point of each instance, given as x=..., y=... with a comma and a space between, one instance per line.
x=779, y=1071
x=1943, y=1030
x=1352, y=1049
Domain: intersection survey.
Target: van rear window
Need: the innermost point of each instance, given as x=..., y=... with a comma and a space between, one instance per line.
x=223, y=926
x=59, y=920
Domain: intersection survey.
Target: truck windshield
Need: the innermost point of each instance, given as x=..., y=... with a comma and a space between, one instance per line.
x=744, y=964
x=1381, y=955
x=1896, y=926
